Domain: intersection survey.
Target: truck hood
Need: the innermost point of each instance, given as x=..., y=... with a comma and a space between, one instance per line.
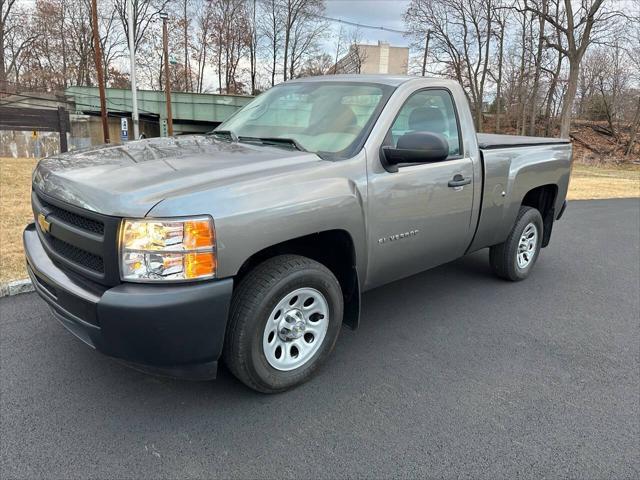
x=129, y=180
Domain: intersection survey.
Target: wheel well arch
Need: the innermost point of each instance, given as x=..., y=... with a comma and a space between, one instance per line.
x=335, y=249
x=543, y=198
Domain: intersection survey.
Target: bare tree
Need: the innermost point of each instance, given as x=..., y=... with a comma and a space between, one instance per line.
x=112, y=42
x=633, y=56
x=355, y=57
x=5, y=12
x=611, y=81
x=340, y=49
x=500, y=21
x=357, y=51
x=16, y=38
x=231, y=42
x=579, y=31
x=253, y=45
x=318, y=65
x=461, y=32
x=537, y=68
x=185, y=40
x=204, y=22
x=272, y=17
x=302, y=28
x=553, y=76
x=145, y=13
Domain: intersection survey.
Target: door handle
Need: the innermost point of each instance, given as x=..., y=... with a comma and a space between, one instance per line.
x=459, y=181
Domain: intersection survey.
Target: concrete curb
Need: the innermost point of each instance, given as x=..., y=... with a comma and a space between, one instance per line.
x=15, y=287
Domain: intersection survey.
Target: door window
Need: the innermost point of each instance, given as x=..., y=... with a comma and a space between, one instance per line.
x=428, y=111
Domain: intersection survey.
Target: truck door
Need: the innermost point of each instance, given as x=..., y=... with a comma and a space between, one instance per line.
x=420, y=216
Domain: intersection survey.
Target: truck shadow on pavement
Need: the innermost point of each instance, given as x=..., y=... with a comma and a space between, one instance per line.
x=412, y=301
x=404, y=311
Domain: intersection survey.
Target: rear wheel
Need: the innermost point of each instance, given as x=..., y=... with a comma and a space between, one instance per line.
x=514, y=259
x=284, y=321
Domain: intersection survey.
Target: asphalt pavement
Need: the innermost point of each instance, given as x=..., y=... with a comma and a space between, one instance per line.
x=453, y=373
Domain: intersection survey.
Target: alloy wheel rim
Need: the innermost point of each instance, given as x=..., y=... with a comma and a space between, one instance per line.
x=527, y=246
x=295, y=329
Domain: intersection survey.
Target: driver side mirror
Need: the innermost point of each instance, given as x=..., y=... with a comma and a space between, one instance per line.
x=416, y=147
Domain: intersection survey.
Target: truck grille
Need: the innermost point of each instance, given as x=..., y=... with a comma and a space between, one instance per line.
x=74, y=219
x=77, y=255
x=79, y=240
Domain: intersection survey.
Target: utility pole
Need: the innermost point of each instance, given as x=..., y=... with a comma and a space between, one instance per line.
x=98, y=60
x=426, y=52
x=167, y=83
x=132, y=61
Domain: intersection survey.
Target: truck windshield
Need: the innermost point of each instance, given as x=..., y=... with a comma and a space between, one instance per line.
x=331, y=119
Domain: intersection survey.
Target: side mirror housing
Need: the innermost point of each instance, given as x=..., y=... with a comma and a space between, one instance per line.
x=416, y=147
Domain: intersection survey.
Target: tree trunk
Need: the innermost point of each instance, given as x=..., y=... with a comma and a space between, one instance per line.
x=479, y=117
x=521, y=99
x=253, y=49
x=499, y=83
x=287, y=35
x=552, y=91
x=220, y=61
x=274, y=43
x=426, y=53
x=536, y=75
x=3, y=72
x=64, y=46
x=569, y=97
x=634, y=130
x=274, y=65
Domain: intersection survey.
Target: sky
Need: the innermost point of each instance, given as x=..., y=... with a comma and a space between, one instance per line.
x=385, y=13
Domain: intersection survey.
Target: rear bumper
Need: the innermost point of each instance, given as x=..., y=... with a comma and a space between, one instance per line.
x=175, y=330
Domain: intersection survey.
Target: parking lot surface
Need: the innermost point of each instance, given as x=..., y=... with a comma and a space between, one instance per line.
x=453, y=373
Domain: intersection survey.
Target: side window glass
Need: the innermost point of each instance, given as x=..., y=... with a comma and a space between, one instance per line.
x=428, y=111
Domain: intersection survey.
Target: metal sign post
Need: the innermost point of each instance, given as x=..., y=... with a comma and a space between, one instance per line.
x=131, y=25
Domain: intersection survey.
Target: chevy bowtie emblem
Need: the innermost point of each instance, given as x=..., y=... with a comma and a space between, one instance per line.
x=42, y=221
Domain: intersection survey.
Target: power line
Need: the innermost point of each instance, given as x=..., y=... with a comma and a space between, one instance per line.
x=362, y=25
x=324, y=17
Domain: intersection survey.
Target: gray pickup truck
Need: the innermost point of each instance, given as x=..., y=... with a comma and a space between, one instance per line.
x=253, y=244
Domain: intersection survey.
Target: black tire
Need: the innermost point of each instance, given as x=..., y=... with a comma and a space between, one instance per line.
x=253, y=301
x=503, y=257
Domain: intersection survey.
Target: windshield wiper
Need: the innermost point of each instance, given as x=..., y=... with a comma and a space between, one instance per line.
x=228, y=134
x=275, y=141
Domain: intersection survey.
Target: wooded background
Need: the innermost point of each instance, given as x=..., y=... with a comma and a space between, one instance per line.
x=527, y=66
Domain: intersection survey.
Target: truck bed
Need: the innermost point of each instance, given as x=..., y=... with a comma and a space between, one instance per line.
x=488, y=141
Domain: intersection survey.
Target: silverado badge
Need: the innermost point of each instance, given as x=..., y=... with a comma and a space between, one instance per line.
x=398, y=236
x=45, y=226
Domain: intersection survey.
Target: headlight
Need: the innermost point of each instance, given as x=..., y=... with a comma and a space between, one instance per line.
x=160, y=250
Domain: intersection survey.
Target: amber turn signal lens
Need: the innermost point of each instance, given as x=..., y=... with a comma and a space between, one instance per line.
x=198, y=265
x=198, y=234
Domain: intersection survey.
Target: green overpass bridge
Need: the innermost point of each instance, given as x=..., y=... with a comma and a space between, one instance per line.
x=192, y=112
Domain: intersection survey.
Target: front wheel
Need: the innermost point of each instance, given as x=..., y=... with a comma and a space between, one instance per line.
x=514, y=259
x=284, y=321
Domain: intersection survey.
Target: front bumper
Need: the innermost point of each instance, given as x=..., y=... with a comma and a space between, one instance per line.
x=175, y=330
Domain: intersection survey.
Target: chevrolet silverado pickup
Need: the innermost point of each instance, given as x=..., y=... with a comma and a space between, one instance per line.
x=252, y=244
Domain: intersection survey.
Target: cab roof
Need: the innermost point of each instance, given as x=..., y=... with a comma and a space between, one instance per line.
x=392, y=80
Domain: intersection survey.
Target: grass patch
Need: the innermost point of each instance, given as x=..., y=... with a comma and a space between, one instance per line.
x=587, y=182
x=15, y=214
